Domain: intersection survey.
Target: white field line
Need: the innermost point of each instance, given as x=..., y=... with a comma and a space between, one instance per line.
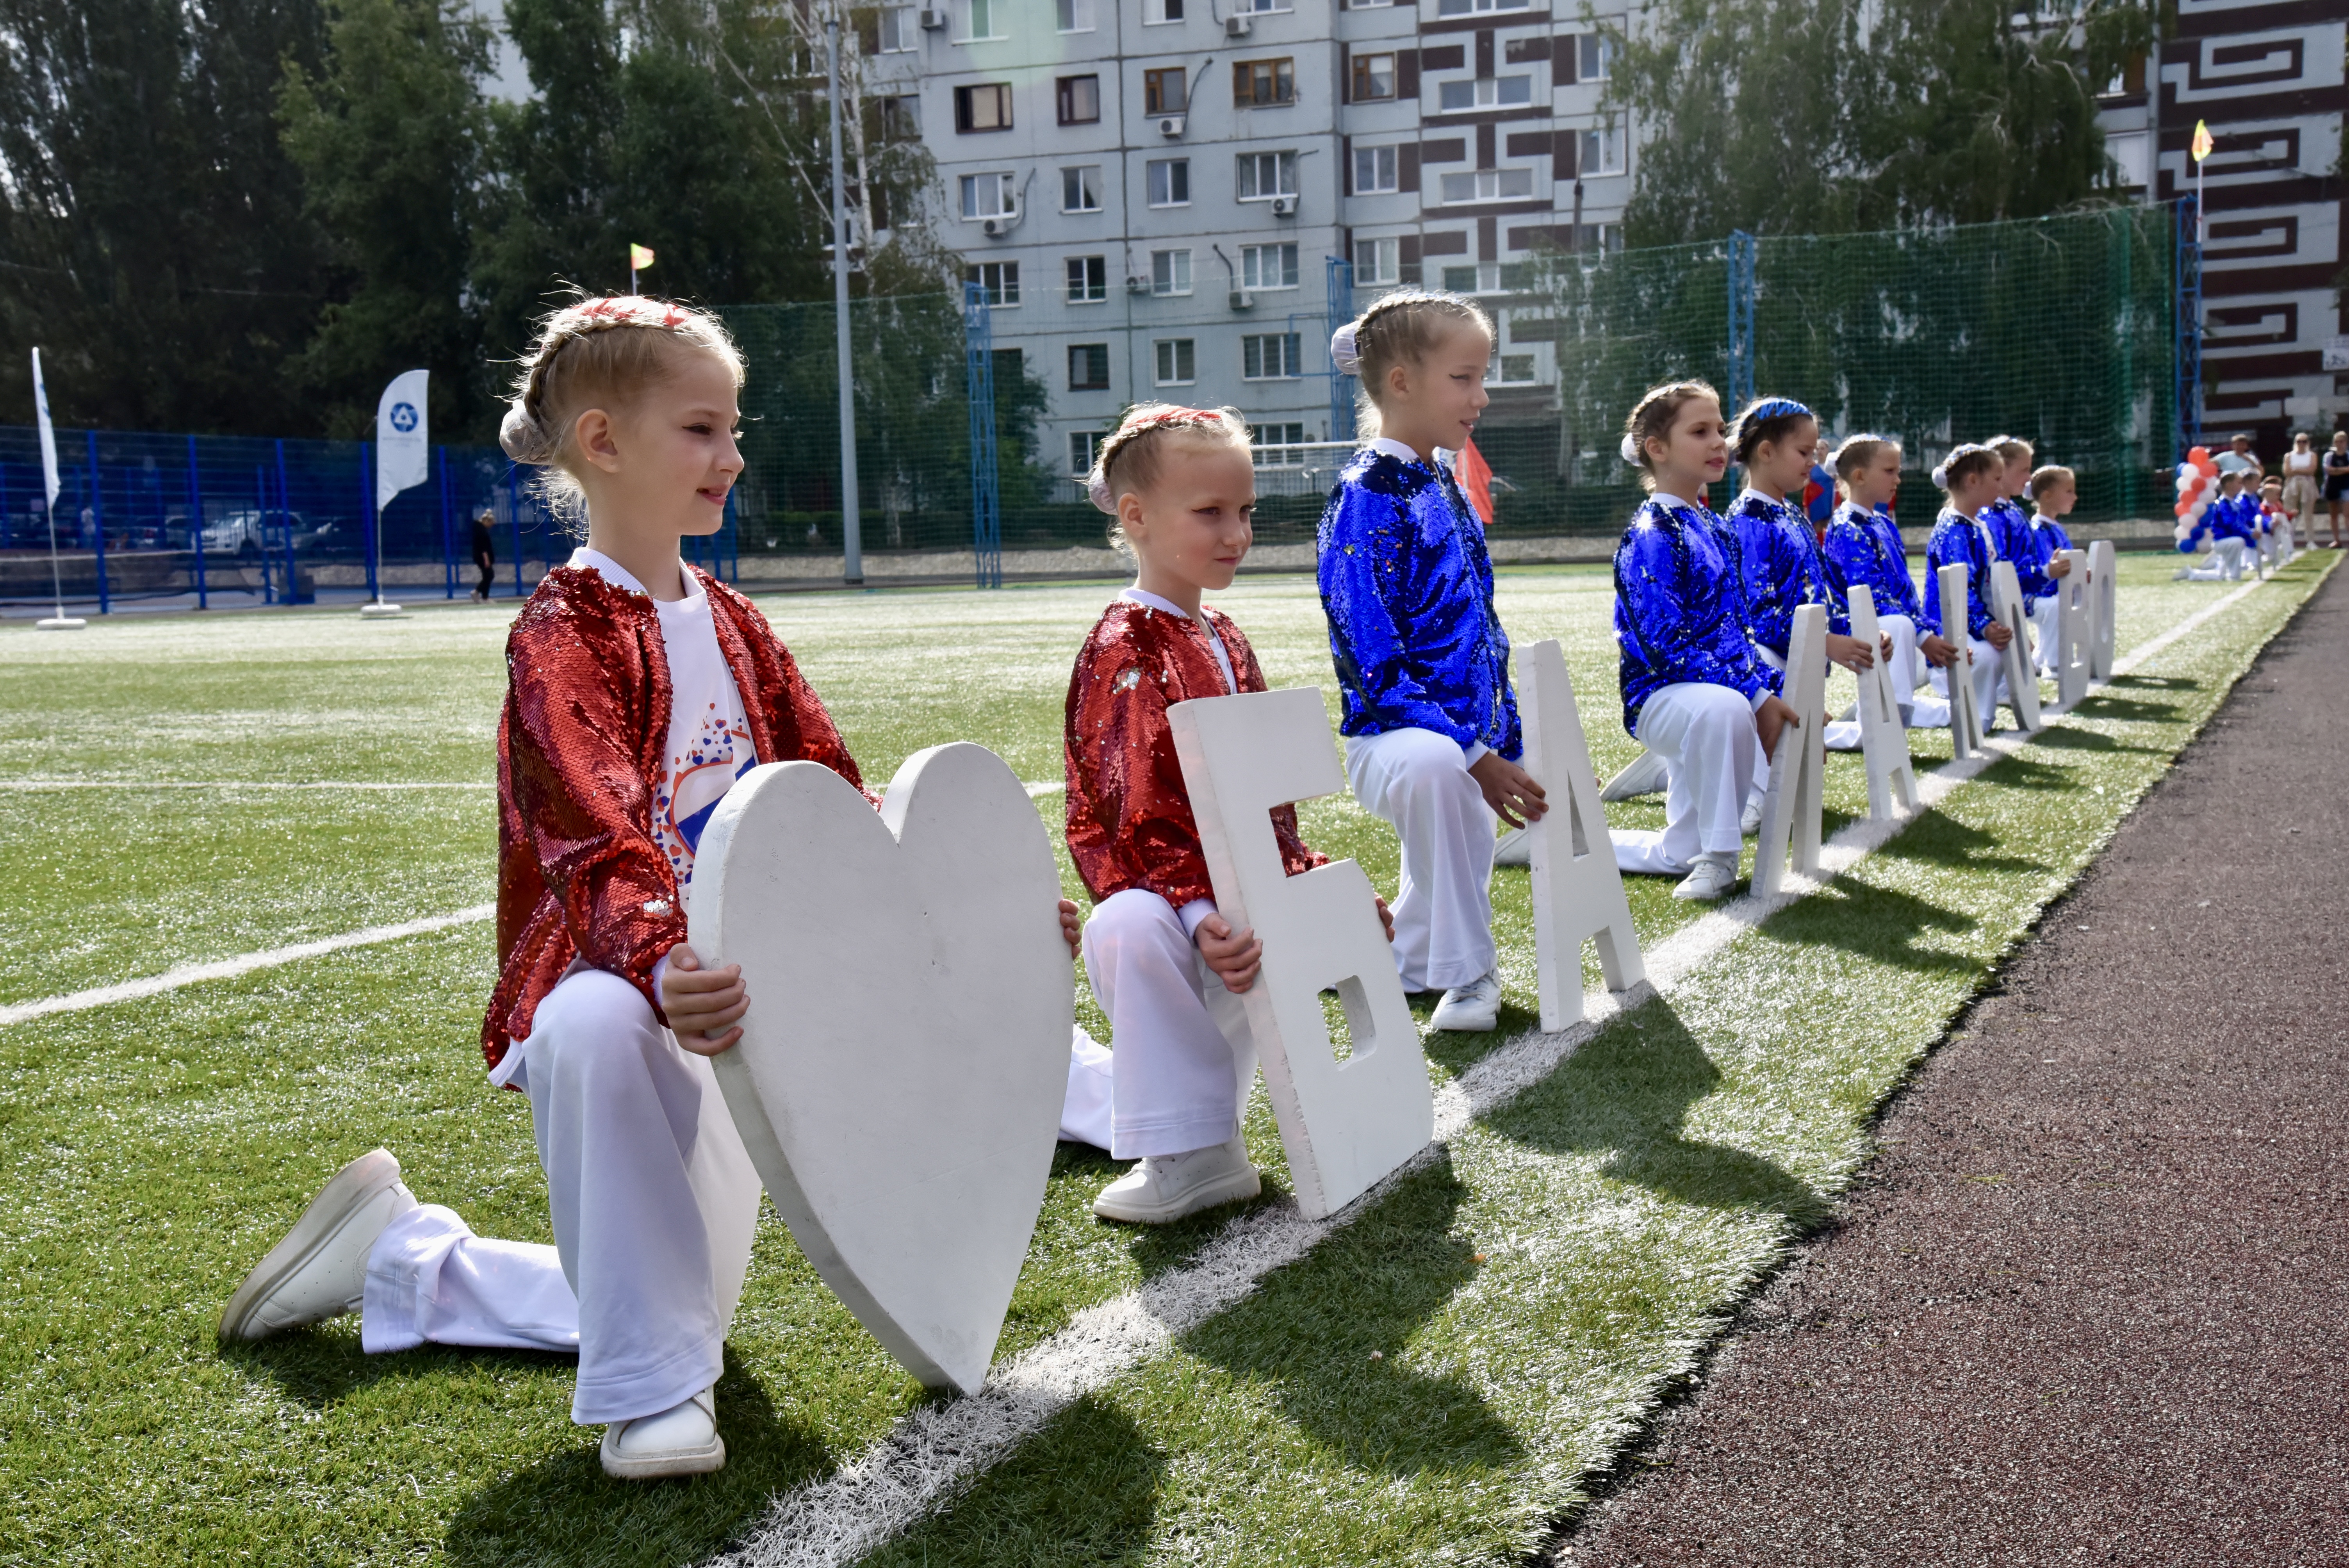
x=1036, y=789
x=40, y=784
x=229, y=968
x=934, y=1451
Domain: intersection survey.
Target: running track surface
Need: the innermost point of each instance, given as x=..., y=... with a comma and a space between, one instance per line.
x=2088, y=1304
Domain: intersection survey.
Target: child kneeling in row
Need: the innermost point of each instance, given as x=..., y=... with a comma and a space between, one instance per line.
x=1969, y=477
x=2054, y=491
x=2227, y=523
x=1168, y=969
x=1695, y=692
x=1430, y=725
x=1864, y=549
x=639, y=690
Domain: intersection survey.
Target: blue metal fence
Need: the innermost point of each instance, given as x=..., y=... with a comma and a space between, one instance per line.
x=250, y=519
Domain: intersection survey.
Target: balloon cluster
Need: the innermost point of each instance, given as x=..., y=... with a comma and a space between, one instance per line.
x=2197, y=487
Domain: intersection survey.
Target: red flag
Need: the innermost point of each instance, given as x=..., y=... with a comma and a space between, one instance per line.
x=1475, y=477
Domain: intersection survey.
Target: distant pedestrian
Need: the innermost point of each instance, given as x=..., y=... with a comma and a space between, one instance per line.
x=485, y=553
x=2336, y=483
x=2300, y=479
x=2239, y=459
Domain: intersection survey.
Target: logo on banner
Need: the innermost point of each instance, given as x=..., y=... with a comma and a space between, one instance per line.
x=403, y=417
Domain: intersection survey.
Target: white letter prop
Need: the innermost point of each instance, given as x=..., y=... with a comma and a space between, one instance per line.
x=2022, y=675
x=1344, y=1124
x=1798, y=767
x=1577, y=894
x=1965, y=719
x=899, y=1078
x=2072, y=632
x=2103, y=599
x=1883, y=738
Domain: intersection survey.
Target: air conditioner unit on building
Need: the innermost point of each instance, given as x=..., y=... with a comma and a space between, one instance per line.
x=1239, y=26
x=1243, y=300
x=934, y=19
x=1170, y=125
x=1284, y=206
x=1136, y=283
x=995, y=228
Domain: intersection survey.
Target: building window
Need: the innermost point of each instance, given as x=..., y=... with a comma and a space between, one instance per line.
x=1265, y=175
x=1374, y=169
x=1489, y=277
x=1177, y=364
x=1375, y=261
x=1074, y=15
x=1089, y=368
x=1510, y=370
x=901, y=118
x=1157, y=11
x=1088, y=279
x=1602, y=151
x=901, y=29
x=1260, y=5
x=986, y=106
x=1594, y=56
x=1267, y=266
x=1079, y=98
x=989, y=196
x=1373, y=77
x=1276, y=444
x=1272, y=355
x=1170, y=182
x=1257, y=84
x=998, y=282
x=1470, y=7
x=986, y=18
x=1165, y=91
x=1170, y=271
x=1082, y=444
x=1487, y=92
x=1081, y=189
x=1488, y=185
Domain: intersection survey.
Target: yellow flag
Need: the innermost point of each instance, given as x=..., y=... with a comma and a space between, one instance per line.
x=2202, y=142
x=640, y=258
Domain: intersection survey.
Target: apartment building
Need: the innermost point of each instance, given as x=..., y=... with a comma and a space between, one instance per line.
x=2268, y=77
x=1153, y=192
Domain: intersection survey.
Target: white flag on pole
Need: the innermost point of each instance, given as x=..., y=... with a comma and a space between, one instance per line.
x=403, y=452
x=48, y=431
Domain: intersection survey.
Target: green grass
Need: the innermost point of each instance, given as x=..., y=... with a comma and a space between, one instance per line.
x=1529, y=1298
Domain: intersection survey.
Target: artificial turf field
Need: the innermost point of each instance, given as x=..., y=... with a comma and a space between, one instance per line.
x=1438, y=1381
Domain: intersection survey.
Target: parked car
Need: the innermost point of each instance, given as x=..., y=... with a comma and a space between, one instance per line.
x=246, y=534
x=333, y=539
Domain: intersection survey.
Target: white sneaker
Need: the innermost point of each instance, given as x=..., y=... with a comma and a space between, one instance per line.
x=1470, y=1009
x=1706, y=881
x=1164, y=1187
x=681, y=1440
x=1513, y=848
x=1751, y=822
x=319, y=1270
x=1646, y=776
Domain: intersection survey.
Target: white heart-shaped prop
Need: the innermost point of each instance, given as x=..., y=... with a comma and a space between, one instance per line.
x=899, y=1078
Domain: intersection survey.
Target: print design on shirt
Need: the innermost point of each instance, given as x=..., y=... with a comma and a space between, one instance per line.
x=692, y=785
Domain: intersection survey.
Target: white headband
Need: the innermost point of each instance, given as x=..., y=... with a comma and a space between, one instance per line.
x=1343, y=355
x=1098, y=488
x=1630, y=449
x=1940, y=476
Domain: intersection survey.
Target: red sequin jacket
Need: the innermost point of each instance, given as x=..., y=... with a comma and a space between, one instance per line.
x=579, y=746
x=1130, y=822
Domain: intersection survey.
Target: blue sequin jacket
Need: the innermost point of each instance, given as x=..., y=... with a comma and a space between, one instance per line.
x=1408, y=589
x=1864, y=551
x=2017, y=541
x=1957, y=541
x=1677, y=609
x=1783, y=571
x=2051, y=539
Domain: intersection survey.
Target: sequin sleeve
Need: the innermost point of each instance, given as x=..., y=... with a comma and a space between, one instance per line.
x=1782, y=571
x=1128, y=815
x=1369, y=540
x=1676, y=619
x=1956, y=542
x=1864, y=551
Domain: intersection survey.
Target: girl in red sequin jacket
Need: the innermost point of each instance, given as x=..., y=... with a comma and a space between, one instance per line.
x=1167, y=968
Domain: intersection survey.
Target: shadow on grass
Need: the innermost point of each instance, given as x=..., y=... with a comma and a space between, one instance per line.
x=1627, y=1093
x=565, y=1509
x=2069, y=737
x=1939, y=840
x=1877, y=923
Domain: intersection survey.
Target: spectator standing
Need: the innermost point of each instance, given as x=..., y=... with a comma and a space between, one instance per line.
x=485, y=552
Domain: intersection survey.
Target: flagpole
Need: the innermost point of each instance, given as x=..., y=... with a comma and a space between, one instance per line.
x=852, y=530
x=60, y=621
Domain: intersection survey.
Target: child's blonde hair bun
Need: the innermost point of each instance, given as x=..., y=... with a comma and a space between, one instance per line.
x=1127, y=459
x=598, y=350
x=1400, y=328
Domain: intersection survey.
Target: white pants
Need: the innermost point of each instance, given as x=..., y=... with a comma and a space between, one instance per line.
x=654, y=1203
x=2223, y=564
x=1841, y=733
x=1418, y=780
x=1706, y=736
x=2043, y=614
x=1181, y=1057
x=1990, y=683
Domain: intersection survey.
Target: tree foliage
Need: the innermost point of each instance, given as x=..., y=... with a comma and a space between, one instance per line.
x=1838, y=116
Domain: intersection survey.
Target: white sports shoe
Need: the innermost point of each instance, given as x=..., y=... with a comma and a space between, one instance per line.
x=1164, y=1187
x=1470, y=1009
x=681, y=1440
x=1646, y=776
x=1706, y=881
x=1751, y=822
x=1513, y=848
x=319, y=1270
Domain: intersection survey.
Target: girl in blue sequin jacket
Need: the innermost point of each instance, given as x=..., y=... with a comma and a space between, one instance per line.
x=1971, y=476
